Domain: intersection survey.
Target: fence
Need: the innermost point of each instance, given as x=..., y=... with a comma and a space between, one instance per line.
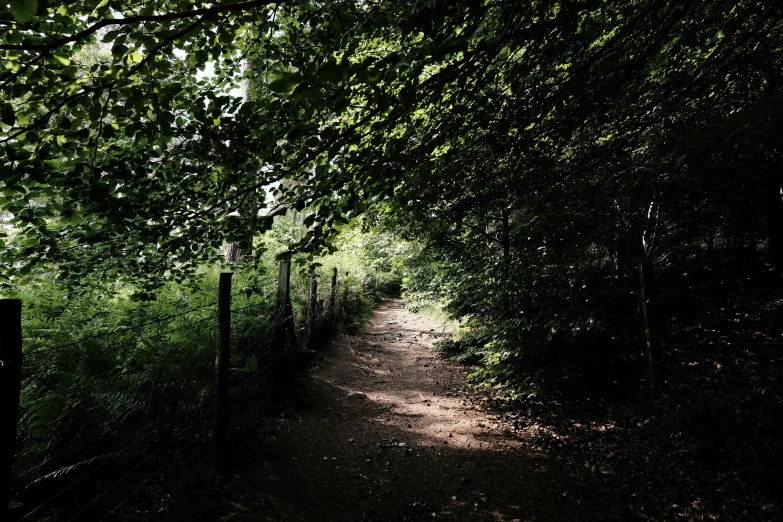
x=103, y=417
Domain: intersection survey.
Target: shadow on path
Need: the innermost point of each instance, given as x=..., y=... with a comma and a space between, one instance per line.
x=411, y=446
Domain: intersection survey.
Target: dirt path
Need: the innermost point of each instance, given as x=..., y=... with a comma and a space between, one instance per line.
x=411, y=445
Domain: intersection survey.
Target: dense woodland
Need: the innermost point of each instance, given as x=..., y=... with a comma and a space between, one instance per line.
x=519, y=164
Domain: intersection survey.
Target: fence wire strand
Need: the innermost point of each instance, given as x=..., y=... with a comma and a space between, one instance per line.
x=254, y=345
x=123, y=329
x=105, y=462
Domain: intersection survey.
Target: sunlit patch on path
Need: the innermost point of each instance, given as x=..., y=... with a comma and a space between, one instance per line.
x=385, y=431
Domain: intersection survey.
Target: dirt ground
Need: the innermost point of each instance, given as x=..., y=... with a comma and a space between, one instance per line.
x=382, y=429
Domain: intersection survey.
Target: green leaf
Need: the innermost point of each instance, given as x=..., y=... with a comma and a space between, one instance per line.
x=24, y=10
x=62, y=59
x=371, y=76
x=110, y=36
x=225, y=36
x=285, y=83
x=7, y=114
x=407, y=94
x=70, y=72
x=330, y=72
x=25, y=118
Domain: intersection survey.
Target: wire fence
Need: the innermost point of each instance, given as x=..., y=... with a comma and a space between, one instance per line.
x=121, y=403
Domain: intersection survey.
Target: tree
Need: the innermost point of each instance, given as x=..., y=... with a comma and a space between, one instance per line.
x=559, y=144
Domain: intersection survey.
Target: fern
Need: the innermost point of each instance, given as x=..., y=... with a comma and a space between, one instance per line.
x=70, y=468
x=111, y=380
x=119, y=405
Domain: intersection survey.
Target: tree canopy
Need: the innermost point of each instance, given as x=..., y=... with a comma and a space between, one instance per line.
x=546, y=132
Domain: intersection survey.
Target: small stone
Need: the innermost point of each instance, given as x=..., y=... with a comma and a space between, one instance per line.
x=357, y=395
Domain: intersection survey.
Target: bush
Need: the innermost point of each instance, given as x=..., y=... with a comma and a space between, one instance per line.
x=113, y=384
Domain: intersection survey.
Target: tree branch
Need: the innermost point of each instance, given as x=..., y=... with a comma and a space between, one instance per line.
x=81, y=35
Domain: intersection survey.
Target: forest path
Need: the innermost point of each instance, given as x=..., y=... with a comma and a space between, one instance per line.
x=412, y=446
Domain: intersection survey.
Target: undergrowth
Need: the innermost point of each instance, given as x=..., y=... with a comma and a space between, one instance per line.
x=118, y=393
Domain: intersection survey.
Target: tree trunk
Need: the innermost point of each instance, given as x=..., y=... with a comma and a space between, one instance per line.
x=676, y=236
x=690, y=232
x=233, y=252
x=727, y=234
x=620, y=254
x=507, y=306
x=739, y=240
x=772, y=183
x=774, y=211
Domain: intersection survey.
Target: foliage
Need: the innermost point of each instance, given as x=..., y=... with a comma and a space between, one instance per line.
x=111, y=382
x=467, y=349
x=517, y=160
x=462, y=114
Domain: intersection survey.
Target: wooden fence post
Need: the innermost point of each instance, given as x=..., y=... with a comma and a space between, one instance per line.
x=285, y=310
x=222, y=362
x=643, y=298
x=345, y=292
x=283, y=285
x=283, y=330
x=333, y=298
x=10, y=389
x=313, y=305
